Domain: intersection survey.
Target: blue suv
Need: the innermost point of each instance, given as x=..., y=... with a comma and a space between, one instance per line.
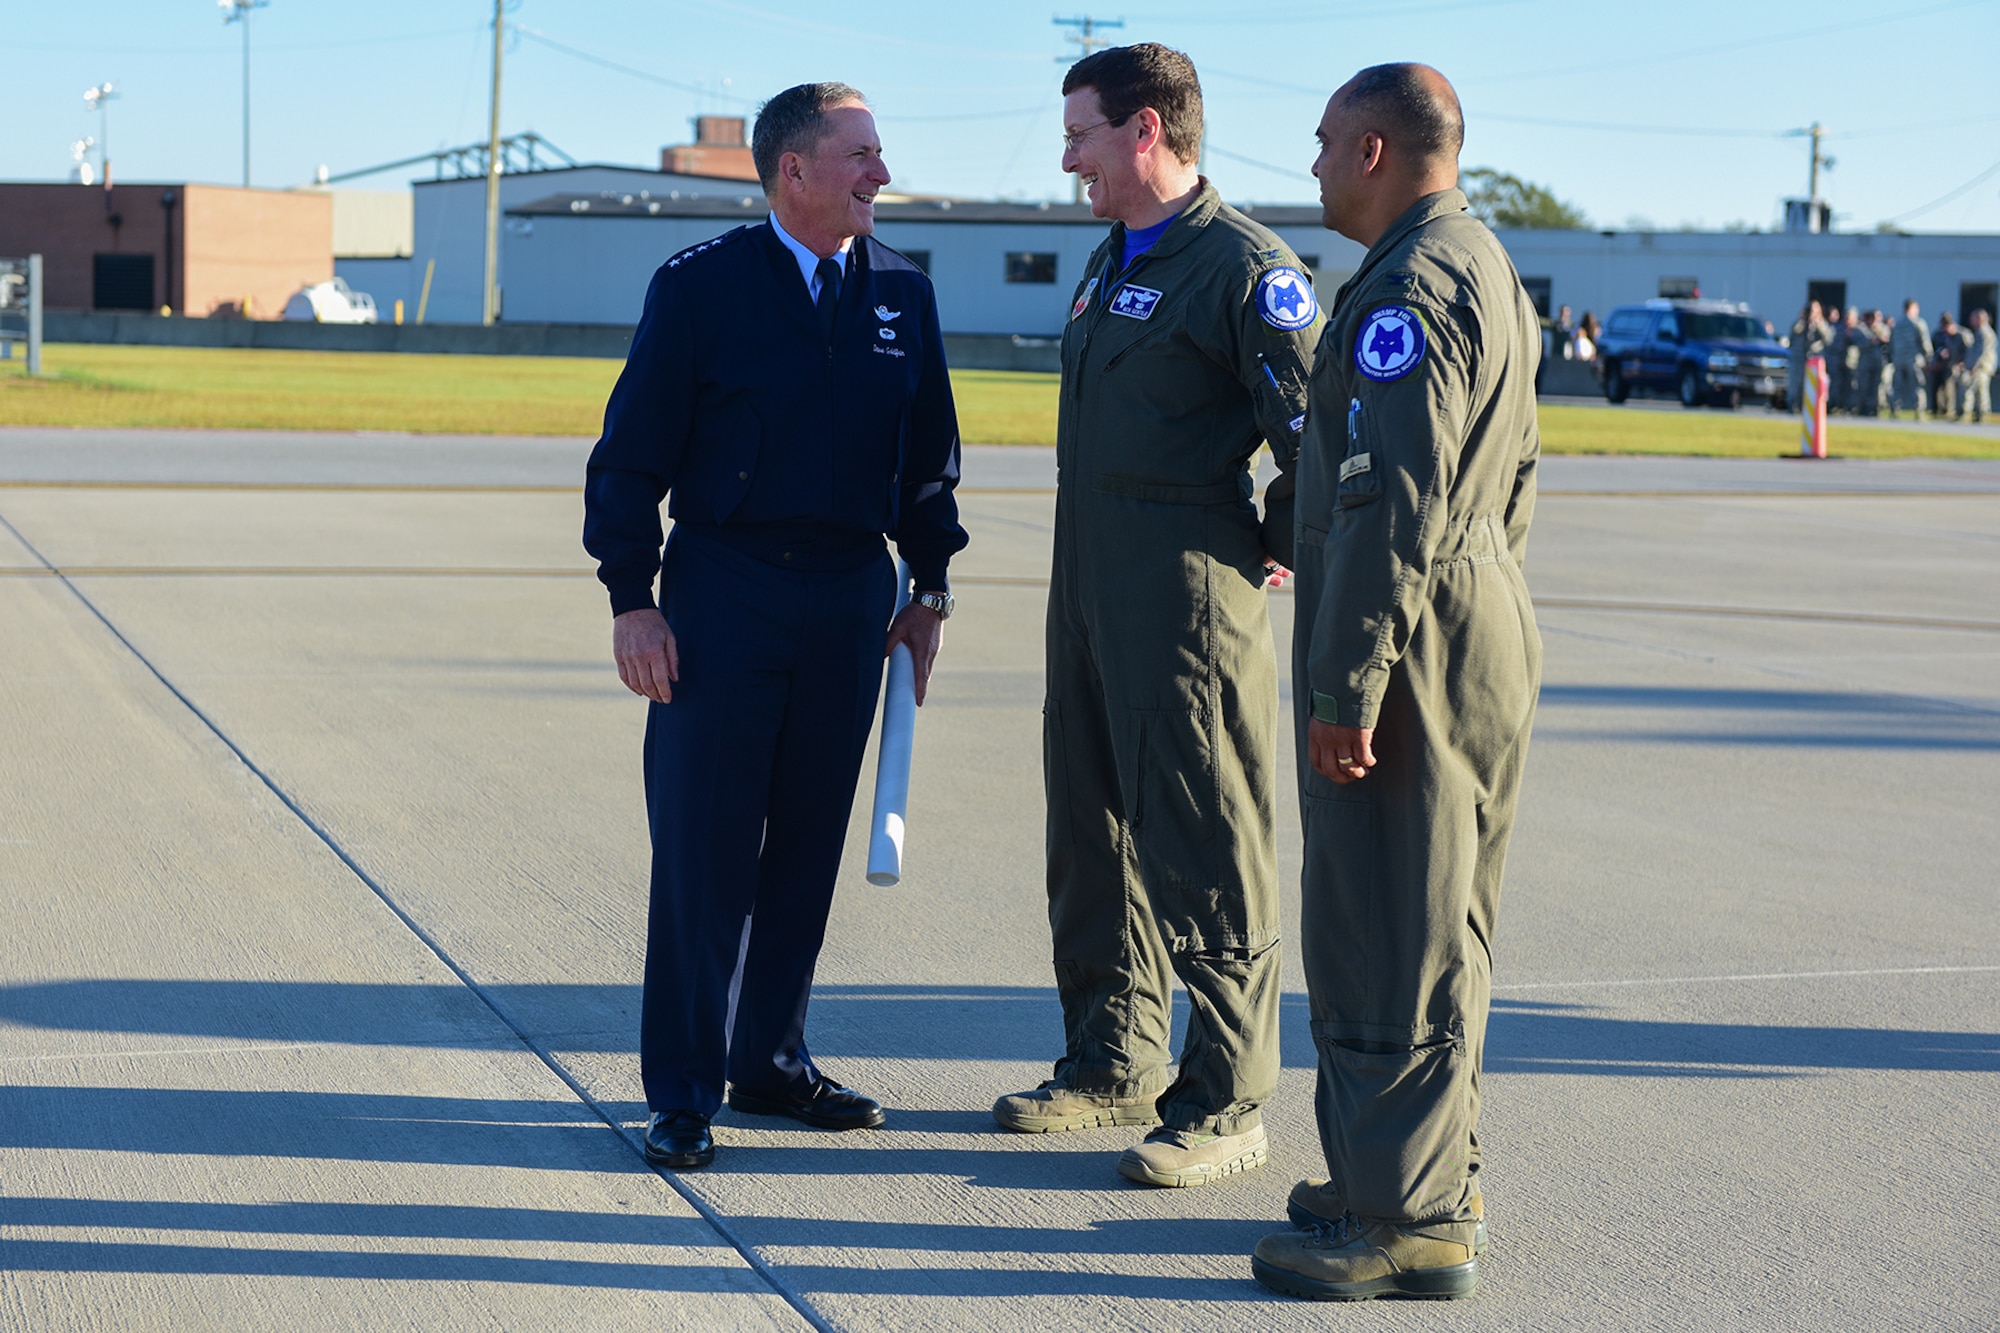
x=1702, y=351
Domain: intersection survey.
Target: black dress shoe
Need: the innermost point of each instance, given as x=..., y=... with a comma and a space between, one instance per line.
x=679, y=1139
x=825, y=1105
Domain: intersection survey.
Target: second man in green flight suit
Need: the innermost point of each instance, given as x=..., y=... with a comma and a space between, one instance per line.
x=1185, y=351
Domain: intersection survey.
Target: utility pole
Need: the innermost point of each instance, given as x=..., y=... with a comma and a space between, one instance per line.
x=1087, y=41
x=98, y=99
x=1819, y=160
x=489, y=307
x=238, y=11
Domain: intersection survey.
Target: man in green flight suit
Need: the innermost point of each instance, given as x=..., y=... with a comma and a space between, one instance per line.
x=1185, y=351
x=1416, y=664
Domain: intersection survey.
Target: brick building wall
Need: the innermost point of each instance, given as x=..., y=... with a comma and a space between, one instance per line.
x=200, y=249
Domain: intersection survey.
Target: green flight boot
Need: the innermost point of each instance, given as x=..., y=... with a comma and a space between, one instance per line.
x=1316, y=1203
x=1053, y=1107
x=1358, y=1261
x=1171, y=1158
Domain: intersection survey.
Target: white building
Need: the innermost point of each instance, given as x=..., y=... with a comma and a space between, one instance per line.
x=1012, y=268
x=999, y=269
x=448, y=234
x=579, y=245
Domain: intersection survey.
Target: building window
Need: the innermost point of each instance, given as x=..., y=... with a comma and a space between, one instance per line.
x=121, y=282
x=1978, y=296
x=1680, y=287
x=1031, y=266
x=1539, y=290
x=921, y=258
x=1831, y=293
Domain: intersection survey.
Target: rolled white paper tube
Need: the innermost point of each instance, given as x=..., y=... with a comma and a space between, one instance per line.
x=892, y=770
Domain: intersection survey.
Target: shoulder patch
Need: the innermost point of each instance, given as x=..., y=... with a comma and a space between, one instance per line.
x=1390, y=343
x=1285, y=299
x=1083, y=299
x=707, y=245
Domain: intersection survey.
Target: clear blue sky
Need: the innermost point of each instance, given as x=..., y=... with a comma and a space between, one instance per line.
x=1670, y=113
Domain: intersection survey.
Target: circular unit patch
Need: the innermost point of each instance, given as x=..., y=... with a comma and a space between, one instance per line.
x=1390, y=343
x=1285, y=299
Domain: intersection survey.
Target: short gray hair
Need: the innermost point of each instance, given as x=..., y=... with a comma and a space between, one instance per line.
x=794, y=122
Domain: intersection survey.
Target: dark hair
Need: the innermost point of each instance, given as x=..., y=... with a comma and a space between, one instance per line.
x=794, y=122
x=1131, y=78
x=1416, y=113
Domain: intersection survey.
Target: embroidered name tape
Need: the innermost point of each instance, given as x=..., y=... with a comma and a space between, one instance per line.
x=1389, y=344
x=1135, y=302
x=1285, y=299
x=1355, y=466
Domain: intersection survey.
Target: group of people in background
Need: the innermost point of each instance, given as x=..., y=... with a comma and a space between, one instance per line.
x=1572, y=339
x=1878, y=365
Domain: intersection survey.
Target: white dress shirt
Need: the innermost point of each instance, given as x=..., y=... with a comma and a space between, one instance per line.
x=808, y=261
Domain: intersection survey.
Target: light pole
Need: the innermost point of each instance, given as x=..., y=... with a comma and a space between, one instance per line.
x=238, y=11
x=98, y=99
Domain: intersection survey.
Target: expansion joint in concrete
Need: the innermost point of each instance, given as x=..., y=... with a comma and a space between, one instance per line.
x=701, y=1206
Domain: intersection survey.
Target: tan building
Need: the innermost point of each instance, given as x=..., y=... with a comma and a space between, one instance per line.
x=198, y=249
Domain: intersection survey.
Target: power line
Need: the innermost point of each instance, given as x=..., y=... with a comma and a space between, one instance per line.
x=1253, y=162
x=1690, y=131
x=1323, y=13
x=1085, y=27
x=1942, y=200
x=533, y=35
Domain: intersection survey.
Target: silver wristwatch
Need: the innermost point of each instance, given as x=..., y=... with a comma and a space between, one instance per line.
x=940, y=602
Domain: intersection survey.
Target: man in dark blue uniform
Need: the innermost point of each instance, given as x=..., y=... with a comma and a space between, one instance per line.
x=787, y=389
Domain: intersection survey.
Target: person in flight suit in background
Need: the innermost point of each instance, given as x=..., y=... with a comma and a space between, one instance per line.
x=1910, y=353
x=787, y=392
x=1184, y=353
x=1415, y=669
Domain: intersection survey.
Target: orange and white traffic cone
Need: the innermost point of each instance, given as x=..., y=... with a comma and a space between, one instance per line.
x=1812, y=410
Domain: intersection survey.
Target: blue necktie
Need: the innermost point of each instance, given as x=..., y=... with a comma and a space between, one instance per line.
x=829, y=295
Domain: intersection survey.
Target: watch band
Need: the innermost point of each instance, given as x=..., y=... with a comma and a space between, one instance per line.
x=941, y=602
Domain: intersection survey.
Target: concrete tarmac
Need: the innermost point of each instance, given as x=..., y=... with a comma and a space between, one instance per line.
x=323, y=860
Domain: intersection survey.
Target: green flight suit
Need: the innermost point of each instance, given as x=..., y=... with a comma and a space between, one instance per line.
x=1160, y=725
x=1416, y=482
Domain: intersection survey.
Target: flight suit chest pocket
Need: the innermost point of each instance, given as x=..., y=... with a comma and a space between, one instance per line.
x=1359, y=479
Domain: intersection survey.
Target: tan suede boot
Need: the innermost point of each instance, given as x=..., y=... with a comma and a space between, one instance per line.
x=1171, y=1158
x=1316, y=1203
x=1357, y=1261
x=1053, y=1107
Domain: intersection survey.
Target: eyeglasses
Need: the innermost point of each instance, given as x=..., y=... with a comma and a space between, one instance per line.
x=1071, y=138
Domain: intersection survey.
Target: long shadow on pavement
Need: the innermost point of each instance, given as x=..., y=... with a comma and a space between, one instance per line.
x=1006, y=1023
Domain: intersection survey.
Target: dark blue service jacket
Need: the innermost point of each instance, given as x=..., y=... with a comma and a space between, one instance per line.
x=767, y=439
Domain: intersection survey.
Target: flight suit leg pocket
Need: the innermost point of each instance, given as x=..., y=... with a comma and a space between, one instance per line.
x=1399, y=1117
x=1173, y=778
